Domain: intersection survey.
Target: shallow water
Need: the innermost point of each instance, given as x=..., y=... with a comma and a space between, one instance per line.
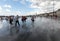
x=42, y=29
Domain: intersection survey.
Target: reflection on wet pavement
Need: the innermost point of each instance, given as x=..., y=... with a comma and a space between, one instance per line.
x=42, y=29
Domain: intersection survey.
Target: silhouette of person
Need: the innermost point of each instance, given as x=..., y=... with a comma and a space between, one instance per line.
x=32, y=19
x=11, y=20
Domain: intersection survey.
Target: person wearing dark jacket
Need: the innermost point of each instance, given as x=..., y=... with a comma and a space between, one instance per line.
x=11, y=20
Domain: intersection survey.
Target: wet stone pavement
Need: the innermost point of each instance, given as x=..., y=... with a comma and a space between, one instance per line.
x=42, y=29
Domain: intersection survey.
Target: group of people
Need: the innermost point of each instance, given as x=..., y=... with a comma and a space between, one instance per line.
x=15, y=19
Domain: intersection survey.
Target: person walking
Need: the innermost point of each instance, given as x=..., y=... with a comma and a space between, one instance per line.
x=32, y=19
x=17, y=21
x=10, y=20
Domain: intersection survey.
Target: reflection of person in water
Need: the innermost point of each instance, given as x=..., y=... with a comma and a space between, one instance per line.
x=24, y=25
x=32, y=24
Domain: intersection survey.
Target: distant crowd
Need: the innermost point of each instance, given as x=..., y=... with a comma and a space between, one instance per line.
x=15, y=19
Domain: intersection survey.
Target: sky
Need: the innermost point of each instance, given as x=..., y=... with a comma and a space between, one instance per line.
x=27, y=7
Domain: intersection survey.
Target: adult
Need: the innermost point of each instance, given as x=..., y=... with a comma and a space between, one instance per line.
x=17, y=20
x=10, y=20
x=32, y=19
x=24, y=18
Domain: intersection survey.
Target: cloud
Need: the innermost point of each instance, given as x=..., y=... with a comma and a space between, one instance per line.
x=57, y=6
x=23, y=1
x=45, y=5
x=34, y=12
x=7, y=6
x=42, y=6
x=8, y=10
x=0, y=8
x=8, y=13
x=34, y=1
